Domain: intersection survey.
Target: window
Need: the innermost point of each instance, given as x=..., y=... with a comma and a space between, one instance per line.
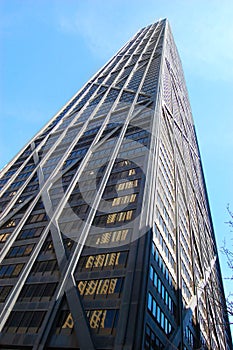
x=24, y=322
x=4, y=291
x=103, y=321
x=108, y=237
x=65, y=323
x=162, y=265
x=30, y=233
x=101, y=287
x=102, y=261
x=3, y=237
x=149, y=303
x=37, y=218
x=114, y=218
x=23, y=250
x=42, y=267
x=11, y=223
x=157, y=314
x=151, y=341
x=124, y=200
x=47, y=246
x=127, y=185
x=10, y=271
x=37, y=292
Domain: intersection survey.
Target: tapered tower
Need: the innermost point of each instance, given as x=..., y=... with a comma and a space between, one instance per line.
x=106, y=235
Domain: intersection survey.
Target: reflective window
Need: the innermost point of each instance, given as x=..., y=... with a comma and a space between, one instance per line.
x=151, y=341
x=4, y=291
x=102, y=261
x=30, y=233
x=24, y=322
x=65, y=323
x=23, y=250
x=4, y=236
x=10, y=271
x=157, y=314
x=102, y=321
x=39, y=291
x=124, y=200
x=107, y=287
x=108, y=237
x=45, y=267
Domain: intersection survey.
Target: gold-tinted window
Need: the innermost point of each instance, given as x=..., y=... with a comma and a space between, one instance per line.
x=102, y=261
x=108, y=287
x=109, y=237
x=103, y=321
x=4, y=236
x=124, y=199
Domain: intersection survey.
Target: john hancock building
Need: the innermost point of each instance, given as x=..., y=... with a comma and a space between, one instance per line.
x=106, y=234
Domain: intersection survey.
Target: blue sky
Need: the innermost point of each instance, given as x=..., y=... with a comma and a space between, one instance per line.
x=49, y=49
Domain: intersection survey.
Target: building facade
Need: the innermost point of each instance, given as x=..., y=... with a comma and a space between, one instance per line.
x=106, y=235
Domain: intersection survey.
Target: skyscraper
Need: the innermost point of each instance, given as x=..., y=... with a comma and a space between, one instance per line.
x=106, y=234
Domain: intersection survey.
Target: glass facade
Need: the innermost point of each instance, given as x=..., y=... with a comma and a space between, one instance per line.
x=106, y=236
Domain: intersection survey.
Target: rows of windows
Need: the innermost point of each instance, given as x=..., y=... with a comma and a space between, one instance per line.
x=3, y=181
x=37, y=292
x=165, y=248
x=108, y=287
x=168, y=214
x=161, y=289
x=98, y=162
x=184, y=235
x=10, y=271
x=70, y=161
x=189, y=336
x=151, y=341
x=9, y=194
x=168, y=231
x=23, y=250
x=186, y=258
x=158, y=314
x=185, y=289
x=16, y=184
x=162, y=265
x=186, y=272
x=167, y=156
x=165, y=179
x=24, y=322
x=52, y=160
x=108, y=237
x=103, y=261
x=10, y=173
x=136, y=79
x=31, y=188
x=151, y=80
